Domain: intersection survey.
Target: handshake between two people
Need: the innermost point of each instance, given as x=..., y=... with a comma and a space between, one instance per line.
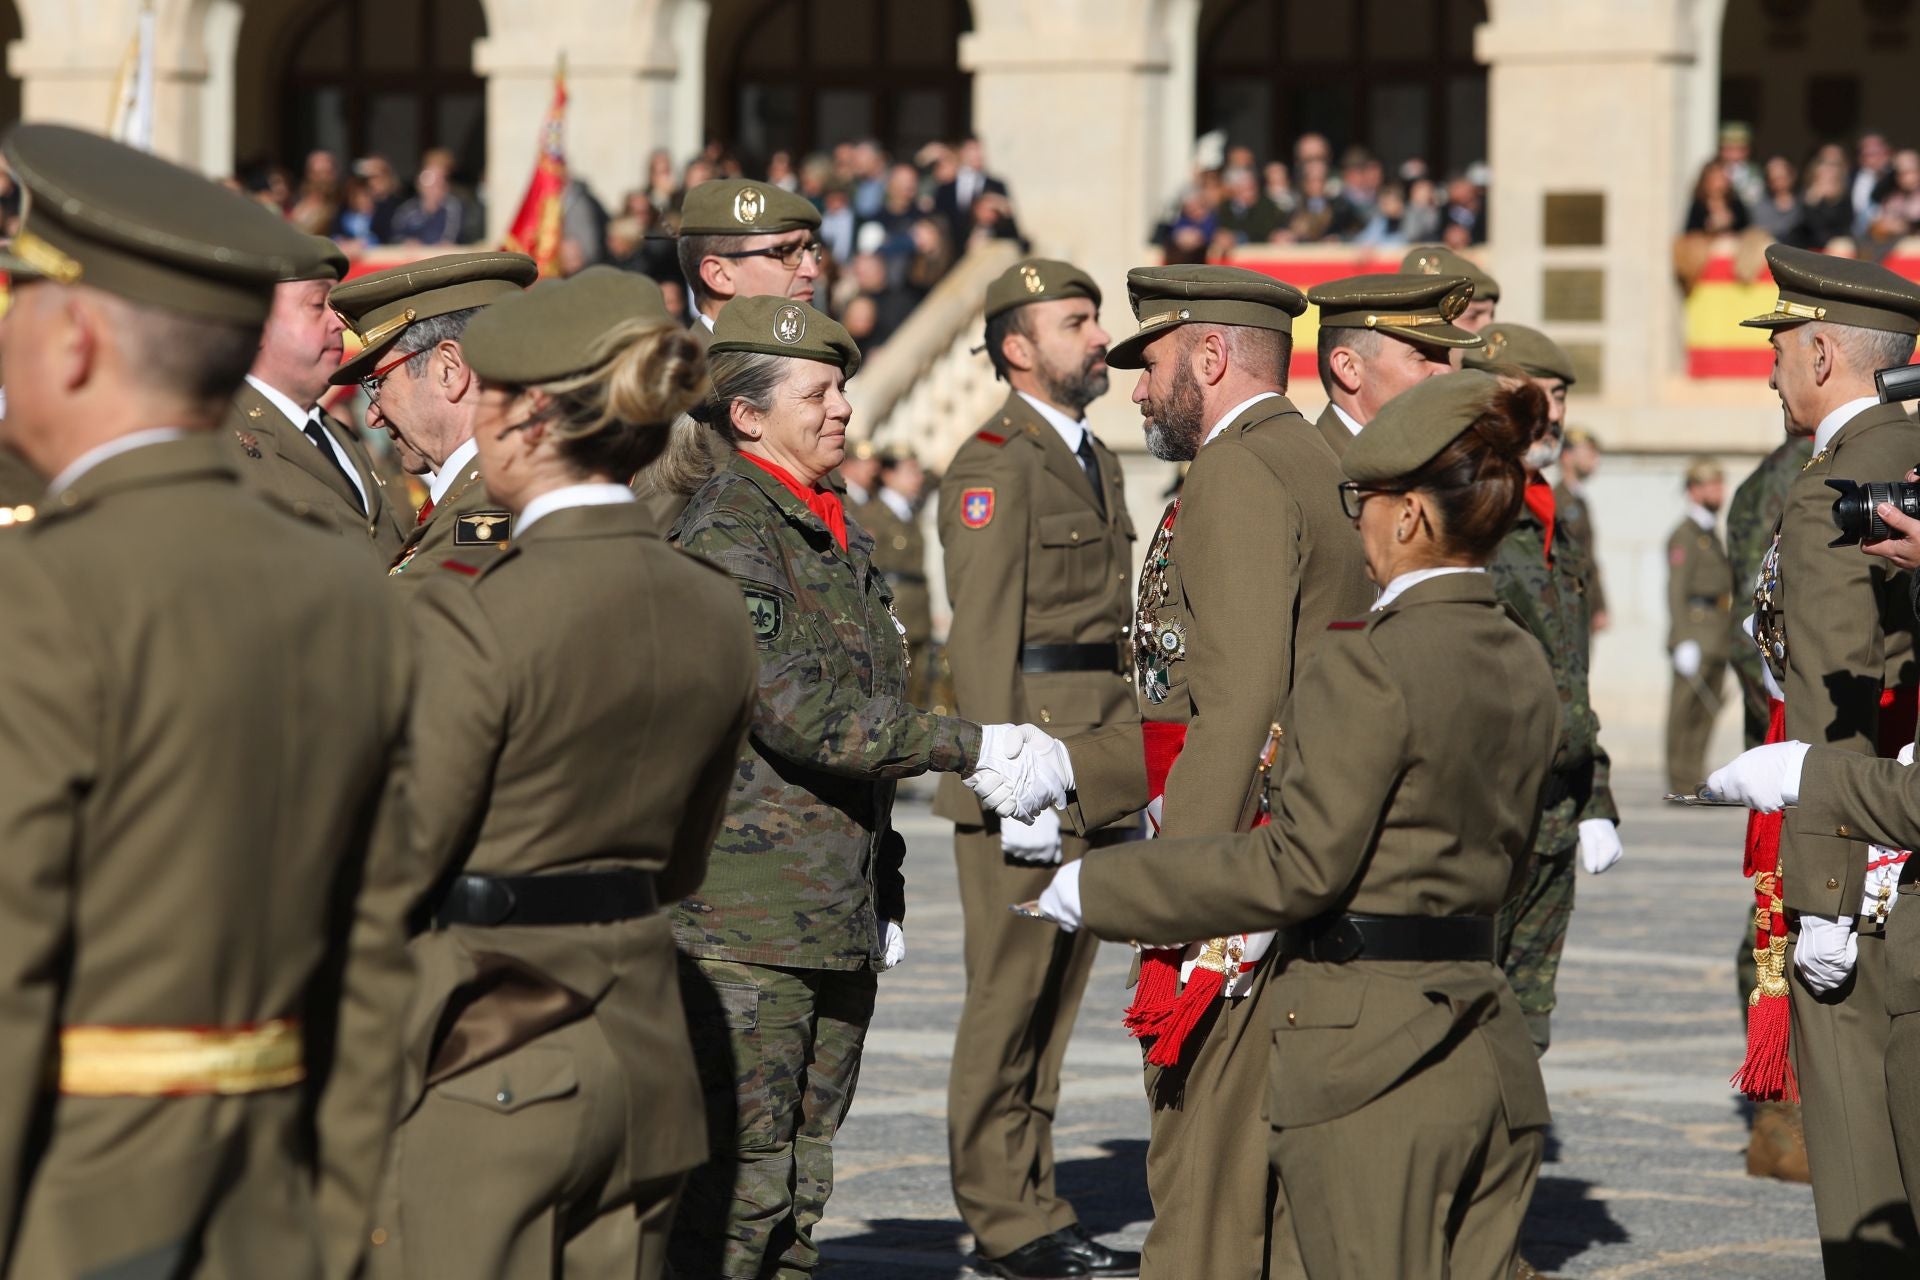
x=1024, y=775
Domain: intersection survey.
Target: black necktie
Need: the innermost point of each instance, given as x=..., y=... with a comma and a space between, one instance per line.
x=1092, y=465
x=318, y=434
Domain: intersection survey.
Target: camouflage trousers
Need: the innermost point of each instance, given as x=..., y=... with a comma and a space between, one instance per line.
x=1533, y=933
x=779, y=1056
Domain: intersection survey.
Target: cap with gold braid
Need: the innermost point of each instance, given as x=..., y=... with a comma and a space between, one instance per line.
x=1438, y=260
x=1419, y=308
x=740, y=207
x=113, y=218
x=1165, y=298
x=1412, y=428
x=554, y=330
x=1816, y=286
x=776, y=326
x=1527, y=349
x=1038, y=280
x=380, y=307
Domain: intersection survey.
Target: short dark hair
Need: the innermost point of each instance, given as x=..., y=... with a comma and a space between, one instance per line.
x=1003, y=326
x=692, y=250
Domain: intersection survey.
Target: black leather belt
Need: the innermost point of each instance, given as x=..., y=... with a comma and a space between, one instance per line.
x=912, y=579
x=558, y=898
x=1037, y=659
x=1338, y=939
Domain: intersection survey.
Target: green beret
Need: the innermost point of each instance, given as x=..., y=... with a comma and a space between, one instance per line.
x=379, y=308
x=554, y=330
x=117, y=219
x=1438, y=260
x=1412, y=428
x=1814, y=286
x=1419, y=308
x=1165, y=298
x=1038, y=280
x=739, y=207
x=323, y=260
x=776, y=326
x=1528, y=349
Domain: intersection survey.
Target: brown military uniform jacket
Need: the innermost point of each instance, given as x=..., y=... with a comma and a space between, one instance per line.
x=271, y=452
x=900, y=553
x=1334, y=432
x=1849, y=635
x=1574, y=518
x=1698, y=595
x=1407, y=786
x=1030, y=560
x=466, y=524
x=1859, y=799
x=199, y=699
x=20, y=486
x=1260, y=559
x=582, y=699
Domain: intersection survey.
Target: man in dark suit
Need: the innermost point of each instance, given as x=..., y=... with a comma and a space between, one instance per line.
x=954, y=200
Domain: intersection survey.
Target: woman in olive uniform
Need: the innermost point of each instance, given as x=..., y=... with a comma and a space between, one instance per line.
x=1407, y=1107
x=581, y=700
x=804, y=896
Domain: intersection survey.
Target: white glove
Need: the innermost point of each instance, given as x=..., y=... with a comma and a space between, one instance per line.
x=1599, y=844
x=894, y=946
x=996, y=774
x=1037, y=841
x=1765, y=778
x=1826, y=952
x=1060, y=902
x=1047, y=777
x=1686, y=659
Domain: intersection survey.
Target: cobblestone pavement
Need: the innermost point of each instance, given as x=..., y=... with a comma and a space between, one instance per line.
x=1645, y=1175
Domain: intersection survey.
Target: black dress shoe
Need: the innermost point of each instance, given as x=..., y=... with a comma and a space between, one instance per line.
x=1100, y=1260
x=1043, y=1259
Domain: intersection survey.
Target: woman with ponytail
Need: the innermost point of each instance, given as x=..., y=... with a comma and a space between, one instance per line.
x=579, y=704
x=1406, y=1107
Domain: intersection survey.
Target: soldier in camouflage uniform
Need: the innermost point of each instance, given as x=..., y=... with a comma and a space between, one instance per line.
x=1544, y=579
x=804, y=893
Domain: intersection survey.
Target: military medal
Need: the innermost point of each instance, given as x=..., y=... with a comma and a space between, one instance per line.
x=1770, y=614
x=1158, y=642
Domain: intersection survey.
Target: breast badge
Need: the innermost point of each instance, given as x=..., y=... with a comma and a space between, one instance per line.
x=765, y=612
x=249, y=443
x=483, y=528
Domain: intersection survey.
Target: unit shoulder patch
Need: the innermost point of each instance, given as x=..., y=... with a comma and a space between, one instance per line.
x=483, y=528
x=766, y=612
x=976, y=508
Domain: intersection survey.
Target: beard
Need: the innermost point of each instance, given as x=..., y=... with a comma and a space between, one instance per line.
x=1173, y=423
x=1541, y=454
x=1075, y=389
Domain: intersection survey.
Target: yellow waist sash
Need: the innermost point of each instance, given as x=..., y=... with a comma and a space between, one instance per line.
x=171, y=1062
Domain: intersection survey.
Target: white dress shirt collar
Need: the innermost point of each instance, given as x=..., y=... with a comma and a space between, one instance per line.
x=599, y=494
x=111, y=449
x=897, y=503
x=1702, y=517
x=1070, y=431
x=1346, y=419
x=456, y=464
x=1830, y=425
x=284, y=403
x=859, y=495
x=706, y=320
x=1414, y=579
x=1226, y=419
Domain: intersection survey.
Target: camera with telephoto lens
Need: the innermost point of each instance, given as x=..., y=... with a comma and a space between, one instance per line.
x=1856, y=509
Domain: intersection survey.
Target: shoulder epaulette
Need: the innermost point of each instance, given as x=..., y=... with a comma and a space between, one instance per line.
x=991, y=437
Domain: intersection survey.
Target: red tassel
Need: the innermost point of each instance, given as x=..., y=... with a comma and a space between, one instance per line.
x=1155, y=992
x=1767, y=1074
x=1203, y=988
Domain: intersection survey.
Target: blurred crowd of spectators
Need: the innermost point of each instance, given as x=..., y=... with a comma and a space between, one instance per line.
x=1243, y=201
x=369, y=204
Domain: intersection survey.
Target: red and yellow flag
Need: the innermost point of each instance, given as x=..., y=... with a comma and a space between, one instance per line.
x=536, y=228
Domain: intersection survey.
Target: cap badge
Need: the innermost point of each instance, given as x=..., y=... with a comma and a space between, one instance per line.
x=789, y=324
x=1456, y=301
x=1030, y=277
x=1428, y=264
x=748, y=206
x=1495, y=344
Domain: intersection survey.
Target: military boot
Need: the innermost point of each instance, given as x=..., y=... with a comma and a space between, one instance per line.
x=1777, y=1147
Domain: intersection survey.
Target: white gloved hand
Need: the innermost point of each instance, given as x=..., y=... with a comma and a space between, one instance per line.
x=1826, y=952
x=1599, y=844
x=1037, y=841
x=893, y=946
x=996, y=774
x=1060, y=902
x=1047, y=774
x=1686, y=659
x=1765, y=778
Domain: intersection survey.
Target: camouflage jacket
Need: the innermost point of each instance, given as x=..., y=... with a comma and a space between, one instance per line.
x=1752, y=517
x=1551, y=600
x=1573, y=517
x=807, y=864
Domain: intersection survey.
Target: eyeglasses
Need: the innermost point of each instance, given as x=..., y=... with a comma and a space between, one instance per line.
x=372, y=382
x=787, y=255
x=1353, y=497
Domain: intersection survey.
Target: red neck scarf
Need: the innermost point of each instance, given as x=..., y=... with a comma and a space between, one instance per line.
x=824, y=503
x=1539, y=497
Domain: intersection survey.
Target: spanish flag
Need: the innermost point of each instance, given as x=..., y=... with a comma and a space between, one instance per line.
x=536, y=228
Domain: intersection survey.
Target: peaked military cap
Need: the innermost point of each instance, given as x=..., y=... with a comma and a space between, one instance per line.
x=1814, y=286
x=555, y=329
x=379, y=308
x=740, y=207
x=323, y=260
x=1038, y=280
x=776, y=326
x=131, y=224
x=1165, y=298
x=1418, y=308
x=1438, y=260
x=1412, y=428
x=1528, y=349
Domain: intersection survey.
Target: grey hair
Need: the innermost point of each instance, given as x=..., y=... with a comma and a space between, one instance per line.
x=1261, y=353
x=697, y=446
x=422, y=337
x=1364, y=343
x=1865, y=349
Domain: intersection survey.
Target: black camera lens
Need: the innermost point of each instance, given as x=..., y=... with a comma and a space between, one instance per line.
x=1856, y=512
